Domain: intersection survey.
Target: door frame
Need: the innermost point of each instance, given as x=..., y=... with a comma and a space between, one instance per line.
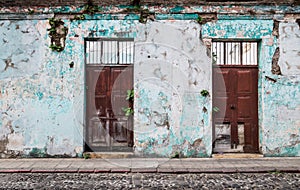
x=129, y=62
x=86, y=121
x=258, y=87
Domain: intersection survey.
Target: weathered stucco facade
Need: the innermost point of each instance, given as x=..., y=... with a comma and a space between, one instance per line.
x=42, y=95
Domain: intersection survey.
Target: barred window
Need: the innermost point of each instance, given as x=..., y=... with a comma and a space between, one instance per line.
x=109, y=51
x=234, y=52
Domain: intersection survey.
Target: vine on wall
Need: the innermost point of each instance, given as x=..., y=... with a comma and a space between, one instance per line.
x=57, y=33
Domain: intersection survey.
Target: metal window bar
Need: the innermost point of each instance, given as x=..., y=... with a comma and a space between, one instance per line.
x=234, y=53
x=109, y=51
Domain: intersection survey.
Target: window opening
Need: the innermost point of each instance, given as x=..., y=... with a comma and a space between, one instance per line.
x=222, y=137
x=109, y=51
x=234, y=52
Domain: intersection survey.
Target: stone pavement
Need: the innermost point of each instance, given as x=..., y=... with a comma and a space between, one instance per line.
x=150, y=165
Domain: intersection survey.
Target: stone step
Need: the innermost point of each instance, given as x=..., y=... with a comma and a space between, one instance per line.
x=108, y=155
x=237, y=155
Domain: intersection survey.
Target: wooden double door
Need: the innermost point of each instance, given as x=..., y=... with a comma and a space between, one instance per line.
x=107, y=126
x=235, y=109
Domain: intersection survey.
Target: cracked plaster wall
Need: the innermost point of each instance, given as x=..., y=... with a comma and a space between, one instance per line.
x=289, y=40
x=170, y=71
x=42, y=98
x=282, y=125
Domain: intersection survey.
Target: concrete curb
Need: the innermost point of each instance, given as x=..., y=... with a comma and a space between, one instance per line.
x=156, y=170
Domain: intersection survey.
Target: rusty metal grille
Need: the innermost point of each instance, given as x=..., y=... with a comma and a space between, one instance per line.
x=109, y=51
x=234, y=52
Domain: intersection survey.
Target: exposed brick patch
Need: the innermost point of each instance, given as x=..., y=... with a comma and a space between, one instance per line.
x=275, y=29
x=298, y=22
x=296, y=2
x=204, y=18
x=275, y=67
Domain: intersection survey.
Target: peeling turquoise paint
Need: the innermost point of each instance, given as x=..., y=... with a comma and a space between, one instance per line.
x=243, y=29
x=168, y=91
x=39, y=95
x=43, y=99
x=176, y=16
x=177, y=9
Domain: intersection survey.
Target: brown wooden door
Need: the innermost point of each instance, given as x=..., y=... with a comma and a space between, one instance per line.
x=235, y=105
x=107, y=127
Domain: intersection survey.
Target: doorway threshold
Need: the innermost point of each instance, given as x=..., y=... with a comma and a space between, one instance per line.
x=109, y=155
x=237, y=155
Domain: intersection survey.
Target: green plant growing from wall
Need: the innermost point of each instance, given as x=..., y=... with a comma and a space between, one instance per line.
x=130, y=97
x=204, y=93
x=90, y=8
x=176, y=155
x=78, y=17
x=86, y=156
x=144, y=13
x=205, y=18
x=30, y=11
x=55, y=48
x=57, y=33
x=128, y=111
x=199, y=19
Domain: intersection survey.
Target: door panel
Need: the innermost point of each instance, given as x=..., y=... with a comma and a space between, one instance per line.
x=101, y=90
x=107, y=127
x=237, y=102
x=247, y=94
x=221, y=94
x=122, y=79
x=244, y=107
x=244, y=81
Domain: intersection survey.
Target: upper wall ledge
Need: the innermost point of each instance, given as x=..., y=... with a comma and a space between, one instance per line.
x=220, y=9
x=27, y=3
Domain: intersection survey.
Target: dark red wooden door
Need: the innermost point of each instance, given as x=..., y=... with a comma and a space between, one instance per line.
x=107, y=127
x=235, y=103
